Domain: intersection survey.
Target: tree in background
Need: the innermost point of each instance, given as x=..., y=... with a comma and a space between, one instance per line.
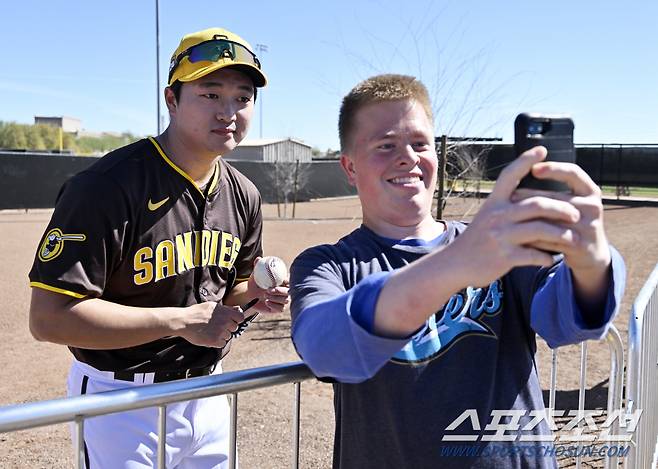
x=12, y=135
x=465, y=170
x=104, y=143
x=465, y=89
x=35, y=137
x=288, y=179
x=41, y=137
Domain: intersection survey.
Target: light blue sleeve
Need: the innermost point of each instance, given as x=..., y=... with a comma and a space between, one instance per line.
x=331, y=326
x=555, y=315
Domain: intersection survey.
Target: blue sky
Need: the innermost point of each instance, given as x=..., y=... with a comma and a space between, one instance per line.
x=483, y=61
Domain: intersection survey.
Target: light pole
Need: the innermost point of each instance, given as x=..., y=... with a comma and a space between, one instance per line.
x=261, y=48
x=157, y=58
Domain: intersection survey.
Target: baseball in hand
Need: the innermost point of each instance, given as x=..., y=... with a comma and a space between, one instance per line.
x=270, y=272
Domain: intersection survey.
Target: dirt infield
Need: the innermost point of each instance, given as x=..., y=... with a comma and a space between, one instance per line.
x=36, y=371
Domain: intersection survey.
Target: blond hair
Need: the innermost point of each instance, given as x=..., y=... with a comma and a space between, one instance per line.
x=380, y=88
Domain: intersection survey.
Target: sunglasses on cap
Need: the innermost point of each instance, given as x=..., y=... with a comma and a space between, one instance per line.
x=214, y=50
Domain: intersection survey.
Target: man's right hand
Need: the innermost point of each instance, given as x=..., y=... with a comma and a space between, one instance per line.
x=210, y=324
x=506, y=232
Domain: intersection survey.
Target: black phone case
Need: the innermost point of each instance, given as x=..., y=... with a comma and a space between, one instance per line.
x=553, y=132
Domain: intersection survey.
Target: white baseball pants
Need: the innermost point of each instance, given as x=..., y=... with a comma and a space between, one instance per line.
x=197, y=431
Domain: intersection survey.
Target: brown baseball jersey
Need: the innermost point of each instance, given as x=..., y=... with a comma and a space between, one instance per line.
x=135, y=229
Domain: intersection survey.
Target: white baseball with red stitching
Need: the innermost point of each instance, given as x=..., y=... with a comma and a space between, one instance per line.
x=270, y=272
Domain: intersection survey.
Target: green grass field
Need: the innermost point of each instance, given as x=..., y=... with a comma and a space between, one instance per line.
x=649, y=192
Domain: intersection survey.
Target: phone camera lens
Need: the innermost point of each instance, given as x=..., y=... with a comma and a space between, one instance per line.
x=535, y=128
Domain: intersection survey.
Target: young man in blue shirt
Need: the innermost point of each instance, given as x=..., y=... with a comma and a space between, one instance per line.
x=417, y=320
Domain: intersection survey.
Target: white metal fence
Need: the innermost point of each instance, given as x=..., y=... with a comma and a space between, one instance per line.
x=77, y=409
x=642, y=380
x=615, y=385
x=642, y=392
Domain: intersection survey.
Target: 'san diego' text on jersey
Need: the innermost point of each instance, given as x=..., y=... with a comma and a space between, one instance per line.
x=186, y=251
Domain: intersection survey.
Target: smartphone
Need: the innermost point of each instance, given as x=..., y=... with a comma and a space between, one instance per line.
x=555, y=132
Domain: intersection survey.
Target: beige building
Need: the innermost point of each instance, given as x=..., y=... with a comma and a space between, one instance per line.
x=67, y=124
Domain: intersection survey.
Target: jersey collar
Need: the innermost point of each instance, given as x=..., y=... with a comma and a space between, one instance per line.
x=214, y=183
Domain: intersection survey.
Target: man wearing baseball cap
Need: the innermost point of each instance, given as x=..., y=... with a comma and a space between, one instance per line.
x=149, y=254
x=203, y=52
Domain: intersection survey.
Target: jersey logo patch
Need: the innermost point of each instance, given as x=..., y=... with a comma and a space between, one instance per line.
x=462, y=316
x=53, y=243
x=154, y=206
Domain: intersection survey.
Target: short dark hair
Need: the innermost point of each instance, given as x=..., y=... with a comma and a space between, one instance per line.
x=175, y=88
x=177, y=85
x=377, y=89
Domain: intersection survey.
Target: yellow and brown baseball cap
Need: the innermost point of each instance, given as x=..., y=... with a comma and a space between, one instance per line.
x=203, y=52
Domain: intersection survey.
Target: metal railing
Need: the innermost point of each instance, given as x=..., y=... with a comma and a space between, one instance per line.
x=77, y=409
x=615, y=384
x=642, y=392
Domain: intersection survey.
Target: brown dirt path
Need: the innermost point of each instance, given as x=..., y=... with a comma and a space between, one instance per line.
x=36, y=371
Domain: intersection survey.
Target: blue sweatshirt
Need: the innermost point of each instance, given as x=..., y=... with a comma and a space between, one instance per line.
x=395, y=398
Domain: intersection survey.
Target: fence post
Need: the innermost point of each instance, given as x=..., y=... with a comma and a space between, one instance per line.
x=294, y=194
x=296, y=423
x=233, y=433
x=601, y=167
x=618, y=191
x=615, y=385
x=162, y=436
x=80, y=443
x=276, y=183
x=442, y=175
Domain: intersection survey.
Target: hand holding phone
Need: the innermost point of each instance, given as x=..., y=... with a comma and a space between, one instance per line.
x=555, y=132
